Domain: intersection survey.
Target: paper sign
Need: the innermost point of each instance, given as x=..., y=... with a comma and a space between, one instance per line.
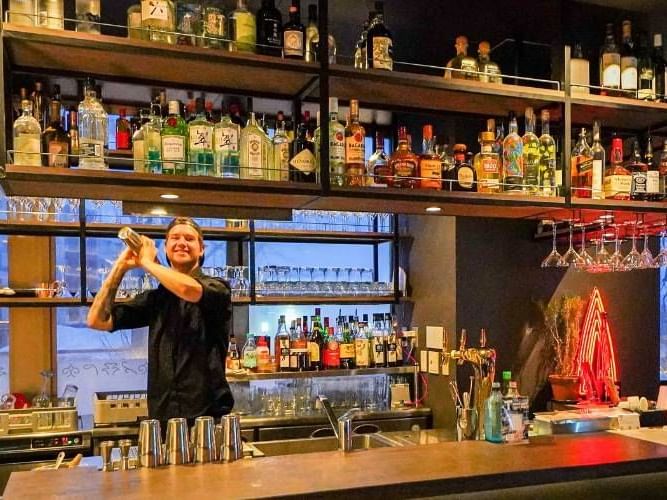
x=434, y=362
x=434, y=337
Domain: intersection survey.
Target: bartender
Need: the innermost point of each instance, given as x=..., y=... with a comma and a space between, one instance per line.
x=189, y=322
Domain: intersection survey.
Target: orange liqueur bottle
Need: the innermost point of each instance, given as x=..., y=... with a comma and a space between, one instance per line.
x=404, y=163
x=430, y=165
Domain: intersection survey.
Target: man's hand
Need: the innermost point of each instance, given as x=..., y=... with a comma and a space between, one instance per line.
x=148, y=253
x=127, y=260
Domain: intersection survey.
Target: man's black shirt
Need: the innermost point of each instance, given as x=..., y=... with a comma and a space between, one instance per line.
x=187, y=348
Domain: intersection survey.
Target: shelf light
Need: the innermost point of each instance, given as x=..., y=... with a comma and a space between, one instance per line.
x=169, y=196
x=159, y=211
x=433, y=210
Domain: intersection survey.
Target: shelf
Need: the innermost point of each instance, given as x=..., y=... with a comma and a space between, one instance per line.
x=618, y=112
x=619, y=205
x=288, y=235
x=319, y=299
x=397, y=370
x=36, y=302
x=131, y=60
x=39, y=228
x=399, y=90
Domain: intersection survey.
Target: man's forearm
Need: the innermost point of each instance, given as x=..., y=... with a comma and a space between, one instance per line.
x=99, y=315
x=180, y=284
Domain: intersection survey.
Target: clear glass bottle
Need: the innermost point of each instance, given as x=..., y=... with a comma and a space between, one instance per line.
x=27, y=137
x=281, y=153
x=269, y=29
x=513, y=171
x=355, y=148
x=250, y=354
x=88, y=16
x=493, y=408
x=487, y=164
x=253, y=154
x=360, y=48
x=547, y=159
x=336, y=145
x=153, y=141
x=173, y=140
x=581, y=165
x=55, y=141
x=50, y=14
x=489, y=70
x=379, y=171
x=22, y=12
x=430, y=169
x=93, y=126
x=638, y=170
x=403, y=163
x=200, y=142
x=645, y=70
x=226, y=145
x=617, y=179
x=598, y=165
x=302, y=158
x=242, y=29
x=610, y=62
x=213, y=26
x=379, y=42
x=628, y=62
x=531, y=155
x=462, y=61
x=579, y=72
x=159, y=18
x=138, y=148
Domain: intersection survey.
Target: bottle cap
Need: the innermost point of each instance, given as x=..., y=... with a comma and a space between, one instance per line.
x=657, y=40
x=487, y=136
x=427, y=132
x=491, y=125
x=484, y=47
x=507, y=375
x=462, y=148
x=495, y=385
x=174, y=107
x=333, y=104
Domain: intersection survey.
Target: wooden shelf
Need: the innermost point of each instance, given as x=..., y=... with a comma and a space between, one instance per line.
x=288, y=235
x=131, y=60
x=346, y=299
x=393, y=370
x=619, y=205
x=618, y=112
x=37, y=302
x=398, y=90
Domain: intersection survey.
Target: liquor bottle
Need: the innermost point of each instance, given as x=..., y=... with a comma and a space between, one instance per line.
x=378, y=346
x=610, y=62
x=294, y=33
x=153, y=141
x=250, y=354
x=581, y=164
x=254, y=161
x=302, y=158
x=355, y=152
x=123, y=131
x=233, y=360
x=282, y=346
x=653, y=174
x=158, y=17
x=242, y=28
x=27, y=137
x=73, y=133
x=138, y=150
x=93, y=125
x=312, y=34
x=403, y=163
x=263, y=356
x=617, y=179
x=466, y=179
x=226, y=137
x=55, y=142
x=281, y=153
x=513, y=171
x=379, y=42
x=659, y=68
x=662, y=169
x=299, y=348
x=331, y=353
x=500, y=136
x=487, y=164
x=489, y=70
x=392, y=342
x=379, y=171
x=598, y=164
x=547, y=161
x=336, y=145
x=463, y=62
x=269, y=29
x=173, y=141
x=88, y=16
x=362, y=345
x=531, y=155
x=200, y=143
x=22, y=12
x=637, y=169
x=360, y=48
x=346, y=341
x=628, y=62
x=645, y=70
x=493, y=428
x=316, y=341
x=213, y=26
x=430, y=167
x=447, y=168
x=40, y=105
x=188, y=16
x=579, y=72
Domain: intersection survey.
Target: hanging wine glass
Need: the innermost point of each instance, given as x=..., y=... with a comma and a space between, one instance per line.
x=554, y=259
x=633, y=259
x=616, y=260
x=602, y=257
x=570, y=257
x=646, y=260
x=661, y=258
x=585, y=260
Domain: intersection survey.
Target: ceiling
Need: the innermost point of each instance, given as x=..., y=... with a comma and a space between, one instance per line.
x=632, y=5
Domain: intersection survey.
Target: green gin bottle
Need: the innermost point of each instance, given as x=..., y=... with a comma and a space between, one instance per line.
x=153, y=142
x=226, y=137
x=174, y=134
x=200, y=142
x=254, y=154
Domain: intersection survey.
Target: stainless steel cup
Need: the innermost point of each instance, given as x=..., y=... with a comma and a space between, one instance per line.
x=124, y=445
x=204, y=440
x=150, y=444
x=105, y=451
x=232, y=445
x=178, y=442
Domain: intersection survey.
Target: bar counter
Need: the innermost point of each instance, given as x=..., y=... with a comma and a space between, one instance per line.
x=600, y=460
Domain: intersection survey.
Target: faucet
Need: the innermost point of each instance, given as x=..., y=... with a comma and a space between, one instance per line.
x=341, y=426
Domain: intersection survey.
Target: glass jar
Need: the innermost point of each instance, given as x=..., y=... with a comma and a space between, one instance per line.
x=134, y=29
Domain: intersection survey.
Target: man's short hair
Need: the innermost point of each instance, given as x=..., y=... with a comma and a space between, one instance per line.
x=188, y=221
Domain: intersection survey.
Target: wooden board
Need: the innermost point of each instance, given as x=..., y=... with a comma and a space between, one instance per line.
x=619, y=113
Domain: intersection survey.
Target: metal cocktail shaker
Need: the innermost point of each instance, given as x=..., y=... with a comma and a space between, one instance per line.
x=150, y=444
x=204, y=440
x=131, y=238
x=178, y=442
x=232, y=445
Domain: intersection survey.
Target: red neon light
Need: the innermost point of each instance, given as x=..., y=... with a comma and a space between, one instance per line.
x=596, y=348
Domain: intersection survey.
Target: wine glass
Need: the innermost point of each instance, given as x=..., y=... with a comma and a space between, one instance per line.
x=584, y=260
x=570, y=257
x=602, y=257
x=661, y=258
x=646, y=260
x=633, y=259
x=616, y=260
x=554, y=259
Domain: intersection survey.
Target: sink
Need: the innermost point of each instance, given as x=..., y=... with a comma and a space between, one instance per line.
x=313, y=445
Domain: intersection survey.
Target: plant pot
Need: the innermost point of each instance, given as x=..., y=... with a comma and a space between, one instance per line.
x=565, y=387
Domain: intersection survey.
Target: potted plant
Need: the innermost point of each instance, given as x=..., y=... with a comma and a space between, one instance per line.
x=562, y=319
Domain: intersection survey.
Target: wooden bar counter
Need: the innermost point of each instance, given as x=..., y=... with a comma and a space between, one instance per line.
x=416, y=471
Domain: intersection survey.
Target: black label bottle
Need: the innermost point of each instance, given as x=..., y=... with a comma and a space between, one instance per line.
x=294, y=33
x=302, y=158
x=269, y=29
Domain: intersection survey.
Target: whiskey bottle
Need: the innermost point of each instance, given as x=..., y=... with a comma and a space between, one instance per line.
x=88, y=16
x=355, y=151
x=489, y=70
x=331, y=356
x=226, y=148
x=638, y=170
x=316, y=341
x=282, y=347
x=464, y=65
x=362, y=344
x=269, y=29
x=628, y=62
x=513, y=171
x=662, y=170
x=242, y=28
x=22, y=12
x=610, y=62
x=294, y=33
x=200, y=143
x=653, y=173
x=254, y=161
x=233, y=361
x=346, y=340
x=27, y=136
x=336, y=145
x=40, y=105
x=73, y=133
x=487, y=164
x=378, y=345
x=187, y=24
x=93, y=125
x=173, y=141
x=158, y=17
x=281, y=153
x=645, y=70
x=403, y=163
x=617, y=179
x=379, y=42
x=360, y=48
x=581, y=164
x=531, y=155
x=598, y=164
x=579, y=72
x=659, y=68
x=466, y=180
x=302, y=158
x=430, y=167
x=312, y=34
x=547, y=161
x=379, y=171
x=123, y=131
x=55, y=142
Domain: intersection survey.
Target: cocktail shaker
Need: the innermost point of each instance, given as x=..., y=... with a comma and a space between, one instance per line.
x=178, y=442
x=150, y=444
x=232, y=445
x=204, y=440
x=131, y=238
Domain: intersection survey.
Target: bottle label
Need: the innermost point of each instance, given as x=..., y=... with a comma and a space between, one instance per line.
x=281, y=160
x=652, y=182
x=250, y=359
x=629, y=73
x=378, y=351
x=513, y=159
x=314, y=351
x=617, y=186
x=354, y=149
x=304, y=161
x=58, y=154
x=138, y=155
x=155, y=9
x=382, y=53
x=361, y=352
x=431, y=173
x=201, y=137
x=173, y=147
x=405, y=168
x=646, y=82
x=611, y=73
x=293, y=43
x=465, y=177
x=638, y=183
x=226, y=139
x=391, y=352
x=90, y=148
x=284, y=361
x=337, y=146
x=598, y=168
x=123, y=140
x=490, y=165
x=332, y=354
x=215, y=24
x=347, y=351
x=255, y=156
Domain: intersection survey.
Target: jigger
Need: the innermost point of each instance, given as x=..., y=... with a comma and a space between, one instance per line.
x=178, y=442
x=150, y=444
x=105, y=451
x=204, y=440
x=125, y=445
